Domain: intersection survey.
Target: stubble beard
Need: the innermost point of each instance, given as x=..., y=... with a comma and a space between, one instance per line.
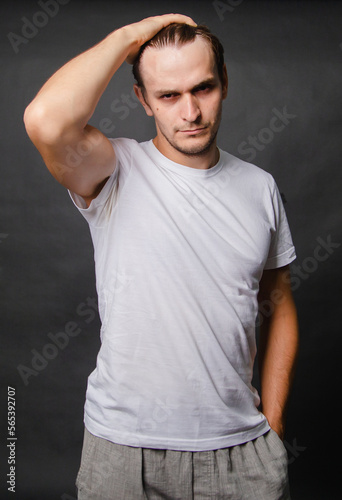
x=196, y=150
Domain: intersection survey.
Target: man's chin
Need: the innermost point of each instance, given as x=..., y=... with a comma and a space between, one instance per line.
x=194, y=149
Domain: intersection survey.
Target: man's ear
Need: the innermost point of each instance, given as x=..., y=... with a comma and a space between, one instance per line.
x=225, y=82
x=140, y=95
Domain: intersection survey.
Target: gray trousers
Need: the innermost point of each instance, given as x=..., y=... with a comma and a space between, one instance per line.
x=256, y=470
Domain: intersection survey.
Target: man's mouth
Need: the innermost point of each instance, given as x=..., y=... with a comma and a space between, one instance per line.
x=193, y=131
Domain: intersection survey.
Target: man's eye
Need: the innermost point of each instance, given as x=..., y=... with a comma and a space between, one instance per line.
x=168, y=96
x=203, y=88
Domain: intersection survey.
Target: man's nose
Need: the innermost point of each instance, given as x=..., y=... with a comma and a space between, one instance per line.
x=190, y=108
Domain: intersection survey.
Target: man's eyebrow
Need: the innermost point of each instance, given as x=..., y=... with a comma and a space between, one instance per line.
x=207, y=81
x=159, y=93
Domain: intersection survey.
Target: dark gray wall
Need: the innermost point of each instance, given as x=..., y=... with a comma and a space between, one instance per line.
x=283, y=57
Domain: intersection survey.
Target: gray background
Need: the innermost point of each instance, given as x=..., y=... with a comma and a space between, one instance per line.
x=281, y=55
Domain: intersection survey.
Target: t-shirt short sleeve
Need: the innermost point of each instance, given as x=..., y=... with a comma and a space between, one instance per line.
x=282, y=250
x=100, y=208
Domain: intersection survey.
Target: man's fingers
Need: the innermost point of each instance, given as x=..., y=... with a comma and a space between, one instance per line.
x=178, y=18
x=147, y=28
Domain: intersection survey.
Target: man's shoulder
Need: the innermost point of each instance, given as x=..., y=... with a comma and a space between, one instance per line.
x=123, y=142
x=125, y=148
x=245, y=171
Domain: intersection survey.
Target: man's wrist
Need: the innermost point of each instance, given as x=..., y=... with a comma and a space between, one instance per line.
x=124, y=37
x=277, y=424
x=279, y=429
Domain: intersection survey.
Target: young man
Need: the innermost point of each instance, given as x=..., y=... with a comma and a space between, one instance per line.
x=187, y=240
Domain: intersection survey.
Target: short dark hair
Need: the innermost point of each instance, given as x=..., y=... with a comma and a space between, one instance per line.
x=180, y=34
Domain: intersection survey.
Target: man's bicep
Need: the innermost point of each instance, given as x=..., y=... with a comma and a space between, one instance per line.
x=275, y=284
x=276, y=307
x=80, y=161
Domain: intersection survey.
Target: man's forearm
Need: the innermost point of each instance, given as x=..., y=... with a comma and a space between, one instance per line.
x=278, y=348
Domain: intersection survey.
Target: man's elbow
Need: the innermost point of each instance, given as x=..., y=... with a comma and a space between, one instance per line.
x=41, y=128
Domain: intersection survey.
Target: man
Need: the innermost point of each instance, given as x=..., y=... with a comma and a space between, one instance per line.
x=187, y=240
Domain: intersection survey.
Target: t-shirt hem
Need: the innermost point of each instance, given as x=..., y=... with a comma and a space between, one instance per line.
x=281, y=260
x=139, y=441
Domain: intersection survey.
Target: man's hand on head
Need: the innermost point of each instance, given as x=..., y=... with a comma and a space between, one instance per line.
x=55, y=127
x=144, y=30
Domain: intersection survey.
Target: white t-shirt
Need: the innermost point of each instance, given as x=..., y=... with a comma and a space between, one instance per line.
x=179, y=253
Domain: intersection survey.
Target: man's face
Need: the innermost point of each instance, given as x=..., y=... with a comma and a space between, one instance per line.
x=184, y=94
